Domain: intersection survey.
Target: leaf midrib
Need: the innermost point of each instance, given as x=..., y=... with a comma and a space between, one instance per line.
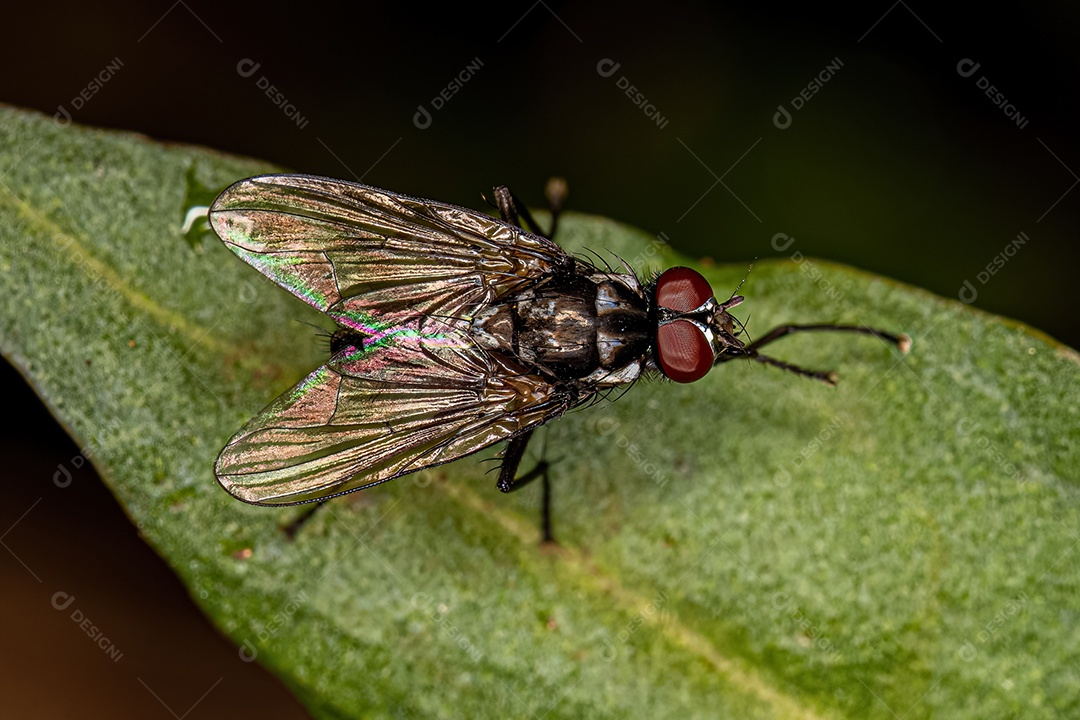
x=67, y=241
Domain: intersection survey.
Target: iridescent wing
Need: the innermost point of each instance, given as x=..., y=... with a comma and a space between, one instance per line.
x=369, y=258
x=404, y=274
x=343, y=429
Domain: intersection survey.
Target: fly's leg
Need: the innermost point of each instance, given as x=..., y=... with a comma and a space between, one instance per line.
x=513, y=210
x=555, y=191
x=511, y=460
x=508, y=205
x=294, y=526
x=903, y=342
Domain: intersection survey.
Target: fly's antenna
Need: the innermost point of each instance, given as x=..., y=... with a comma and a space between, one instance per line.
x=739, y=287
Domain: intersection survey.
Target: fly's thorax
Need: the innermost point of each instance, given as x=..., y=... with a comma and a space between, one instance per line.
x=623, y=331
x=575, y=327
x=342, y=338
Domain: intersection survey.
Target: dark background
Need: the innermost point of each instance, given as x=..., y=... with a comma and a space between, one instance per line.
x=898, y=165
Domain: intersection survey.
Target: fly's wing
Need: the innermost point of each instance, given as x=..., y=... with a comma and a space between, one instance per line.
x=404, y=273
x=370, y=258
x=370, y=415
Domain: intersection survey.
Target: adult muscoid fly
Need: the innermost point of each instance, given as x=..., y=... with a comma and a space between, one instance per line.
x=456, y=330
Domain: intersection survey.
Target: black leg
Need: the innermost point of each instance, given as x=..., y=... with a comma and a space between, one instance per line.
x=555, y=191
x=511, y=460
x=507, y=204
x=513, y=210
x=293, y=527
x=545, y=509
x=903, y=342
x=828, y=377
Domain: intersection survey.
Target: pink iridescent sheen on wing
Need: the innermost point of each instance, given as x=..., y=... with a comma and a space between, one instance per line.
x=412, y=389
x=350, y=250
x=334, y=433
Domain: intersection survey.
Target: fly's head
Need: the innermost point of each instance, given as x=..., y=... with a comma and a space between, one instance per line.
x=693, y=329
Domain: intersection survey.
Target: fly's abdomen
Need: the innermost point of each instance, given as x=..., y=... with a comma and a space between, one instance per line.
x=571, y=329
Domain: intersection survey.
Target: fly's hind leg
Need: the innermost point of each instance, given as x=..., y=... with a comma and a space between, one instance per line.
x=293, y=527
x=513, y=211
x=511, y=460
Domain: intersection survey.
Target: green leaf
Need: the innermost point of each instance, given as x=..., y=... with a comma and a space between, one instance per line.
x=755, y=545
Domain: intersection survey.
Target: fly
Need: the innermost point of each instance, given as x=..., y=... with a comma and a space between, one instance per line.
x=456, y=331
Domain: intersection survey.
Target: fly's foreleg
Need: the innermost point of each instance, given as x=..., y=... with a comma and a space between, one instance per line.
x=902, y=342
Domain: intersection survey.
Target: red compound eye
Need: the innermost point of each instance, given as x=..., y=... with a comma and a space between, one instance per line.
x=685, y=352
x=682, y=289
